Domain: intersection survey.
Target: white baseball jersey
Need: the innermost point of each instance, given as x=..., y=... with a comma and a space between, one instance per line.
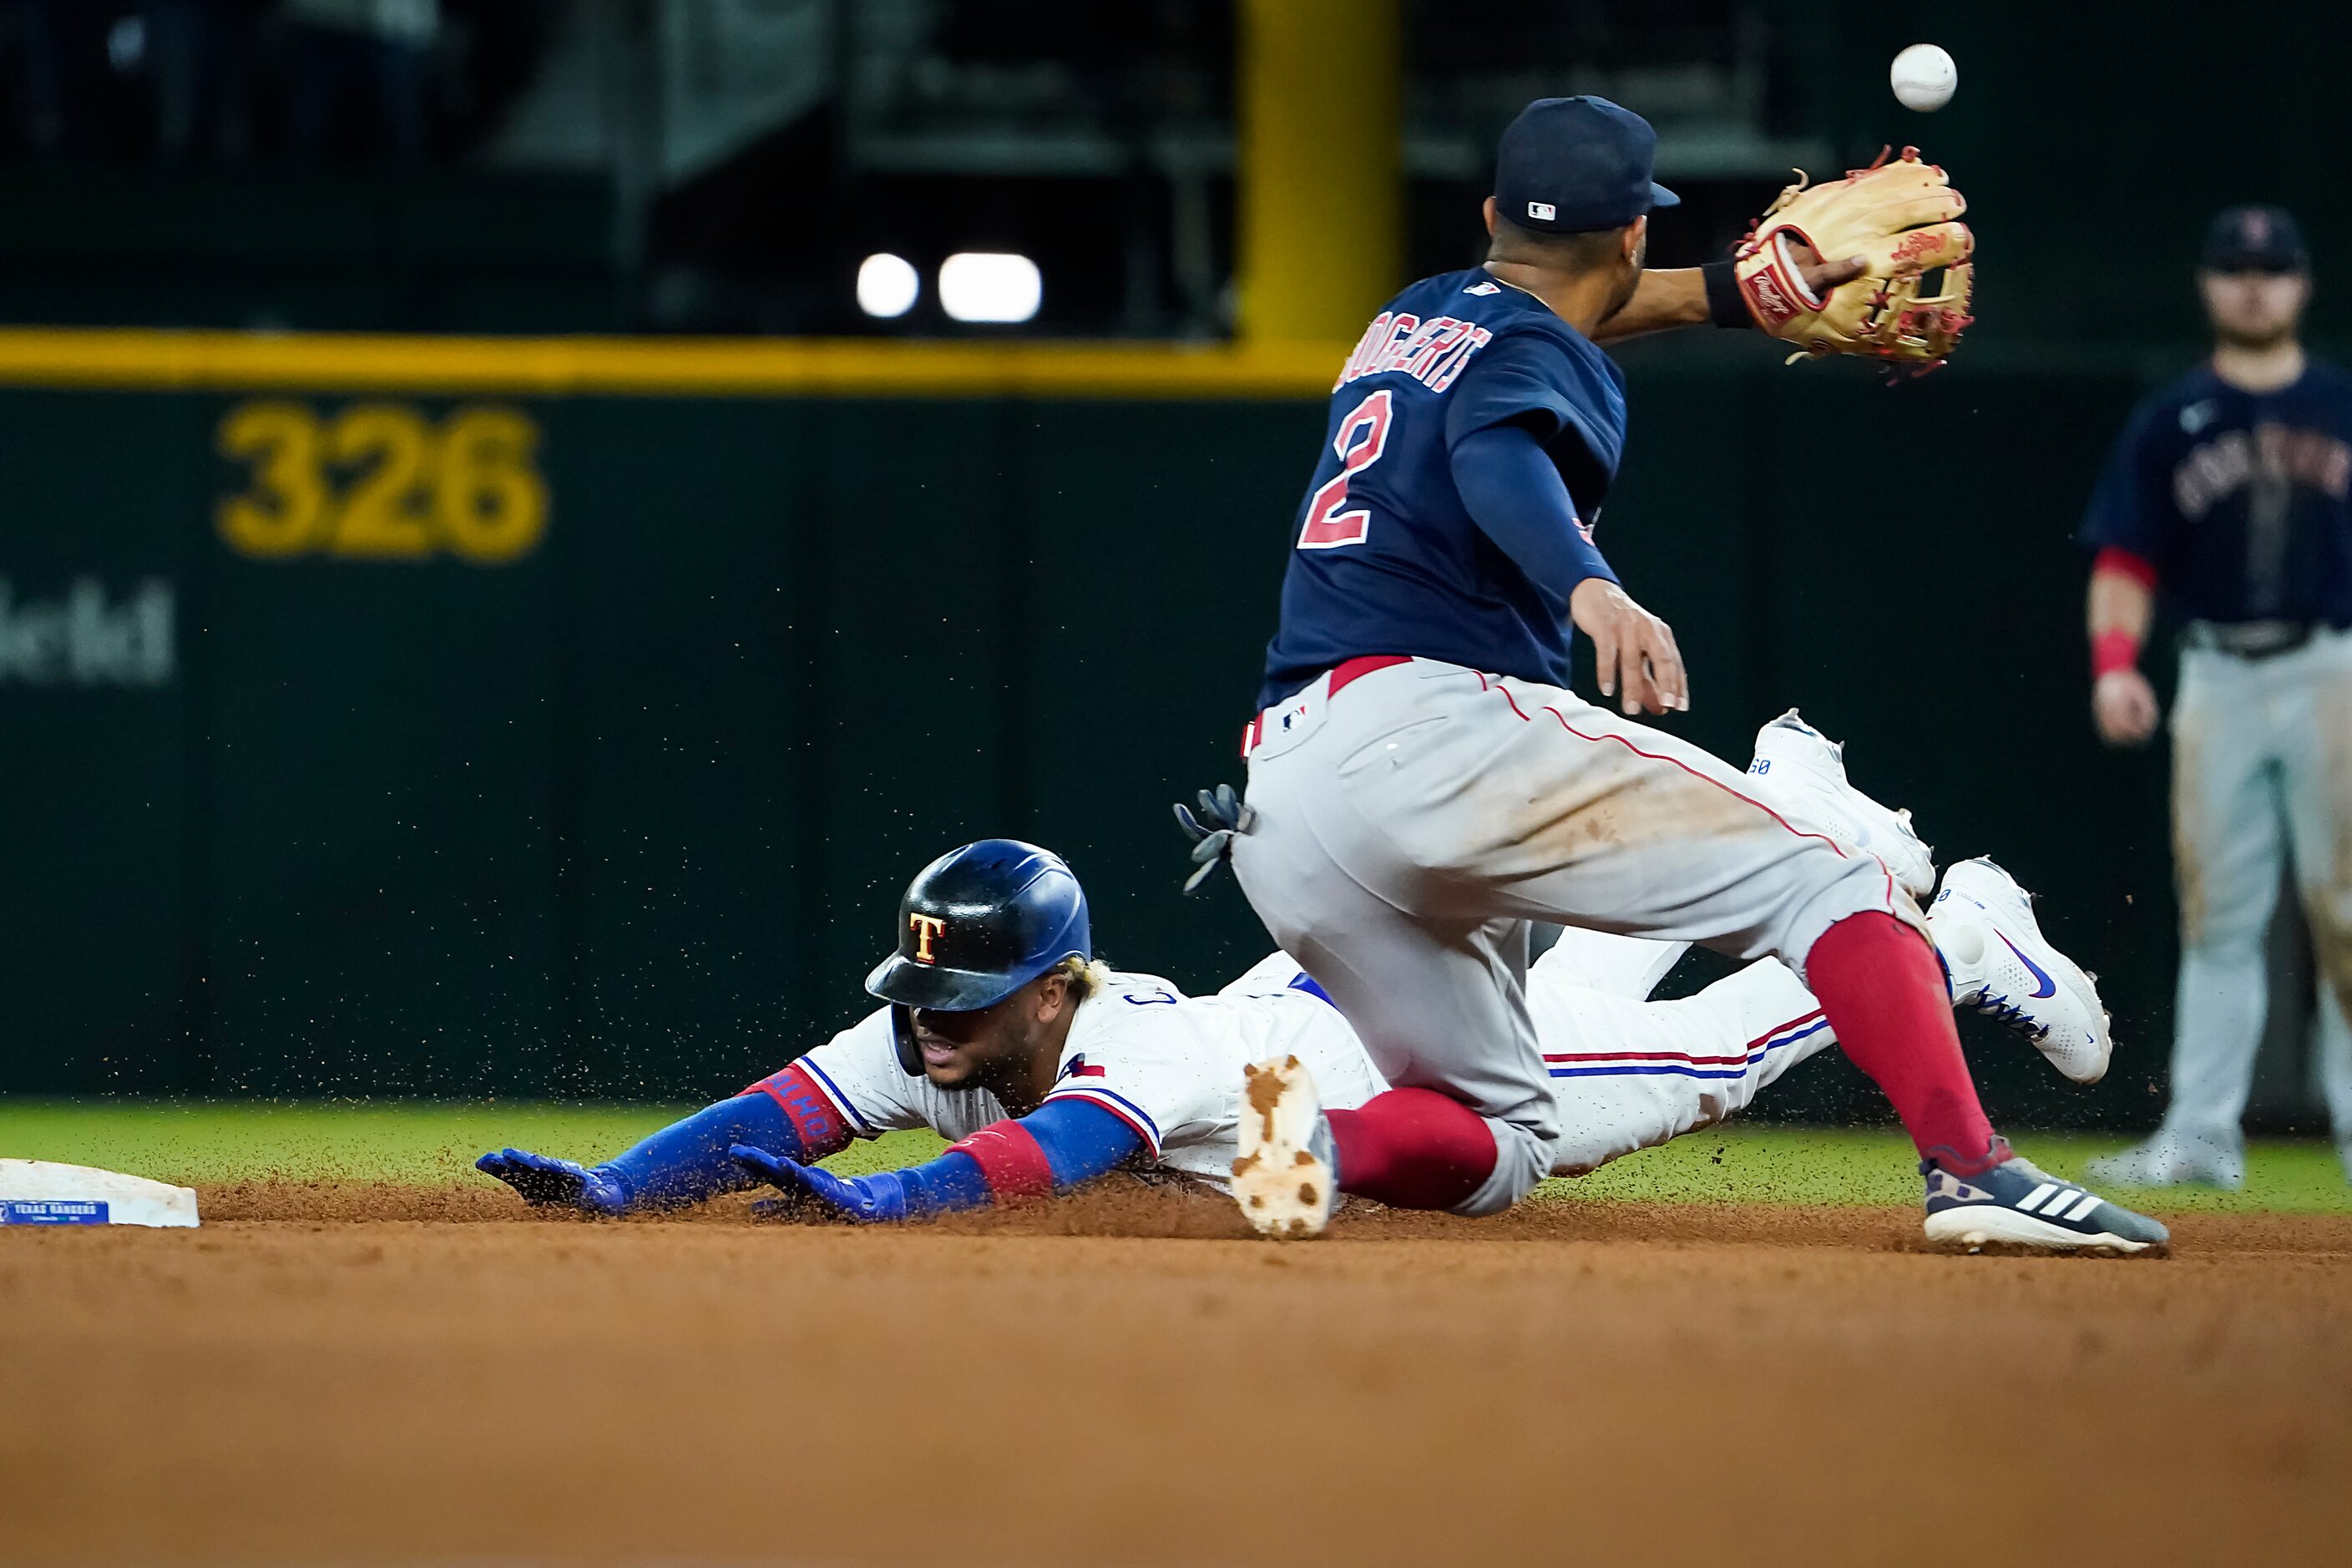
x=1627, y=1072
x=1167, y=1065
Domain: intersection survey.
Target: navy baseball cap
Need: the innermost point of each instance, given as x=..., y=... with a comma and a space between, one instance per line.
x=2255, y=239
x=1572, y=165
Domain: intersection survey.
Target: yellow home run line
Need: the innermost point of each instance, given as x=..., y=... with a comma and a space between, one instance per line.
x=145, y=360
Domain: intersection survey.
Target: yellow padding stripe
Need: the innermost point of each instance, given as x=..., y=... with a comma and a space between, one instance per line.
x=687, y=367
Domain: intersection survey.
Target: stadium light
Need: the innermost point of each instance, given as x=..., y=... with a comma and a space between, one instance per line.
x=887, y=285
x=989, y=286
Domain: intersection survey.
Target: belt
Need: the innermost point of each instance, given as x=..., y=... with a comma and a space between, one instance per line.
x=2249, y=640
x=1346, y=672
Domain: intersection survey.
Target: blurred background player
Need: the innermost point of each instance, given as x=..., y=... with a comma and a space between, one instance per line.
x=1049, y=1069
x=2229, y=495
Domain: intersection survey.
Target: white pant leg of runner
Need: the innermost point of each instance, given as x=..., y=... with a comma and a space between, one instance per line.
x=1611, y=965
x=1408, y=827
x=1630, y=1074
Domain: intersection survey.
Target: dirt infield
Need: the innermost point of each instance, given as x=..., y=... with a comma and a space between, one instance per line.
x=345, y=1373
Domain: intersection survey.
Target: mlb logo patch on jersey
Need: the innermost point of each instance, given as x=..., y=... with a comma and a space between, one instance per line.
x=1484, y=288
x=1542, y=211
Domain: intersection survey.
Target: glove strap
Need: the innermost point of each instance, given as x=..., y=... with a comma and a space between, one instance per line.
x=1775, y=292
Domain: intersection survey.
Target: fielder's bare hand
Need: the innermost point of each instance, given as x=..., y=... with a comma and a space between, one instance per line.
x=1633, y=652
x=2123, y=705
x=1821, y=276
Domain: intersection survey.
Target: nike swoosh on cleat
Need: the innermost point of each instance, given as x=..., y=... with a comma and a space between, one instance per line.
x=2048, y=986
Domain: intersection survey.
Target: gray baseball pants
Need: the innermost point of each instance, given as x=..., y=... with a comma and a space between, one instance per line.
x=1410, y=828
x=2261, y=774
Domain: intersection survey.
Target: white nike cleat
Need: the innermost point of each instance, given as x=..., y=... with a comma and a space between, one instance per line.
x=2001, y=965
x=1286, y=1178
x=2175, y=1160
x=1800, y=772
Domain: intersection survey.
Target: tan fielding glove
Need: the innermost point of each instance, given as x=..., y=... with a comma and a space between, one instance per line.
x=1902, y=219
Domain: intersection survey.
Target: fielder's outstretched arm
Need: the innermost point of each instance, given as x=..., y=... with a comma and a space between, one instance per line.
x=1671, y=297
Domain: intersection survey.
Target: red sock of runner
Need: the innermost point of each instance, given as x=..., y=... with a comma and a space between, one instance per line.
x=1884, y=995
x=1412, y=1148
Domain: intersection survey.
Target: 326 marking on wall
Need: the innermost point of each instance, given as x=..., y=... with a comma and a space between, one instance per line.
x=382, y=481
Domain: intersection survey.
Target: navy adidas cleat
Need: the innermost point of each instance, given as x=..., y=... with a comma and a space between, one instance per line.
x=2015, y=1204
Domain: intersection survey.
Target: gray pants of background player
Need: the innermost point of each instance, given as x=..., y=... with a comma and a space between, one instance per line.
x=1409, y=828
x=2262, y=771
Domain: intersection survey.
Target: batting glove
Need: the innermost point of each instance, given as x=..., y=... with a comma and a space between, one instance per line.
x=869, y=1200
x=544, y=1181
x=1222, y=817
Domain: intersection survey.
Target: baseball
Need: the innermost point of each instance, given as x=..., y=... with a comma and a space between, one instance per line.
x=1924, y=77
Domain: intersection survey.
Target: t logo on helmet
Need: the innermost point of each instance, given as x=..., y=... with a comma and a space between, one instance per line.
x=925, y=927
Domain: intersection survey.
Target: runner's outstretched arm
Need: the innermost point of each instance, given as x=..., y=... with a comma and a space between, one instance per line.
x=683, y=1163
x=1057, y=1146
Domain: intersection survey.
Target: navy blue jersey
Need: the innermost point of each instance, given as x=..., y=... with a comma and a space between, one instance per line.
x=1385, y=558
x=2238, y=499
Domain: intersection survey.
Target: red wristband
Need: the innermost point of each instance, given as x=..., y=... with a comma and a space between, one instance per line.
x=2113, y=650
x=1011, y=1160
x=2126, y=563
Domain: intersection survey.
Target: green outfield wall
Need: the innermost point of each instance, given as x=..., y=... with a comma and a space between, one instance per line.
x=562, y=719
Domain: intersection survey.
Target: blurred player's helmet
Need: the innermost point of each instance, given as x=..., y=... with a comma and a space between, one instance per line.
x=979, y=923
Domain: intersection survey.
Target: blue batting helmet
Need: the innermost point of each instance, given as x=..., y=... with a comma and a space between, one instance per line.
x=979, y=923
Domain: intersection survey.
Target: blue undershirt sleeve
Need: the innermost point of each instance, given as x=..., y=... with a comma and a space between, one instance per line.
x=2130, y=508
x=1080, y=1140
x=687, y=1162
x=1514, y=493
x=952, y=1182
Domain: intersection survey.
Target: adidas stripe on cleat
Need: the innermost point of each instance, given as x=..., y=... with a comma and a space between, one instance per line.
x=2016, y=1204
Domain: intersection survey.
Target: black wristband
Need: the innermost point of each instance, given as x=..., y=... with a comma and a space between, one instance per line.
x=1726, y=305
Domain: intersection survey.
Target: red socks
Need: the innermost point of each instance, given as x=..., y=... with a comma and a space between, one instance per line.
x=1885, y=994
x=1880, y=985
x=1412, y=1148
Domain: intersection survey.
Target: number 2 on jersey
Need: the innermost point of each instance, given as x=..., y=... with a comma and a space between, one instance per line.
x=1362, y=435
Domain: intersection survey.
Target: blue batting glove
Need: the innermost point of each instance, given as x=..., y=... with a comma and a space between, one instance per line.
x=544, y=1181
x=875, y=1199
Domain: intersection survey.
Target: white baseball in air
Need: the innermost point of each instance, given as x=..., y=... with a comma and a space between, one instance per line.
x=1924, y=77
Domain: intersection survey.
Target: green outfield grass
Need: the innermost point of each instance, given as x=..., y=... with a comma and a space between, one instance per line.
x=428, y=1142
